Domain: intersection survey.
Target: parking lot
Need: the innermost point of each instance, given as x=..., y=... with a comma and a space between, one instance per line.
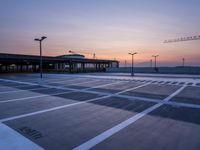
x=92, y=111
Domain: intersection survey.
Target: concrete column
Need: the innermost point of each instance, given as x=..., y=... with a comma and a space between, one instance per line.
x=6, y=67
x=83, y=67
x=96, y=67
x=21, y=67
x=56, y=67
x=26, y=67
x=70, y=67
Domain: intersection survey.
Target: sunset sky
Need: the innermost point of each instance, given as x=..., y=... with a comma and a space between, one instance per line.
x=110, y=28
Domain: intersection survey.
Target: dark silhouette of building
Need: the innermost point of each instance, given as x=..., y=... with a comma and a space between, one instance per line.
x=65, y=63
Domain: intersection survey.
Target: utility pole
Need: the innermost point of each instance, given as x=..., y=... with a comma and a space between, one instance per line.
x=132, y=70
x=94, y=56
x=125, y=64
x=183, y=63
x=40, y=42
x=151, y=63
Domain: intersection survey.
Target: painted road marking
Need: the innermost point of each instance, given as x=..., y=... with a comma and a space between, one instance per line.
x=42, y=88
x=20, y=82
x=103, y=136
x=83, y=82
x=12, y=140
x=59, y=107
x=15, y=86
x=128, y=97
x=32, y=97
x=98, y=86
x=33, y=89
x=51, y=109
x=46, y=95
x=64, y=80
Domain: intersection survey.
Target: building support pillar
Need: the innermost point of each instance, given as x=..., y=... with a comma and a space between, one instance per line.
x=83, y=67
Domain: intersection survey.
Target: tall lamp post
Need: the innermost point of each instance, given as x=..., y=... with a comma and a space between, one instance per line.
x=155, y=58
x=132, y=70
x=40, y=41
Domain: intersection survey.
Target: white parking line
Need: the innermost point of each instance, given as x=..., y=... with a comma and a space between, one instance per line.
x=14, y=86
x=33, y=89
x=12, y=91
x=178, y=104
x=33, y=97
x=83, y=82
x=64, y=81
x=103, y=136
x=12, y=140
x=51, y=109
x=122, y=96
x=20, y=82
x=45, y=80
x=81, y=90
x=134, y=88
x=98, y=86
x=47, y=95
x=59, y=107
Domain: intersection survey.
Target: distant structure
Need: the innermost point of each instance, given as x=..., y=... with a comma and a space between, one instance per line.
x=151, y=63
x=183, y=62
x=72, y=63
x=189, y=38
x=182, y=39
x=75, y=56
x=75, y=53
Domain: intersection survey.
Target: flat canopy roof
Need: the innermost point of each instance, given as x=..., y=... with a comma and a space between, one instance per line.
x=5, y=57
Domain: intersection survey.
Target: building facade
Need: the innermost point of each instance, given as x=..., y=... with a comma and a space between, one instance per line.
x=64, y=63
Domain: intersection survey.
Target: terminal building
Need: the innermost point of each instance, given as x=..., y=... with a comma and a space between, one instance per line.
x=72, y=63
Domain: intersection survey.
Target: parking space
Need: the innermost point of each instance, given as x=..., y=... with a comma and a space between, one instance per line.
x=66, y=81
x=165, y=128
x=190, y=95
x=114, y=88
x=79, y=123
x=89, y=84
x=157, y=91
x=28, y=94
x=11, y=84
x=8, y=89
x=100, y=112
x=16, y=108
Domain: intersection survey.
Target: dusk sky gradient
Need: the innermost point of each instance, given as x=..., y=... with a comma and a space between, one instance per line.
x=110, y=28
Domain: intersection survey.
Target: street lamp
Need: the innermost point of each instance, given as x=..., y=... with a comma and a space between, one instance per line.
x=132, y=72
x=40, y=41
x=155, y=56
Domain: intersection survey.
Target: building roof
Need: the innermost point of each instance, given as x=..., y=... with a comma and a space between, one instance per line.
x=72, y=56
x=5, y=57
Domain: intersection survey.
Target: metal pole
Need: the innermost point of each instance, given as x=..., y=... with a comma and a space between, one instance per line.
x=183, y=62
x=151, y=63
x=40, y=41
x=40, y=59
x=155, y=57
x=132, y=72
x=132, y=66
